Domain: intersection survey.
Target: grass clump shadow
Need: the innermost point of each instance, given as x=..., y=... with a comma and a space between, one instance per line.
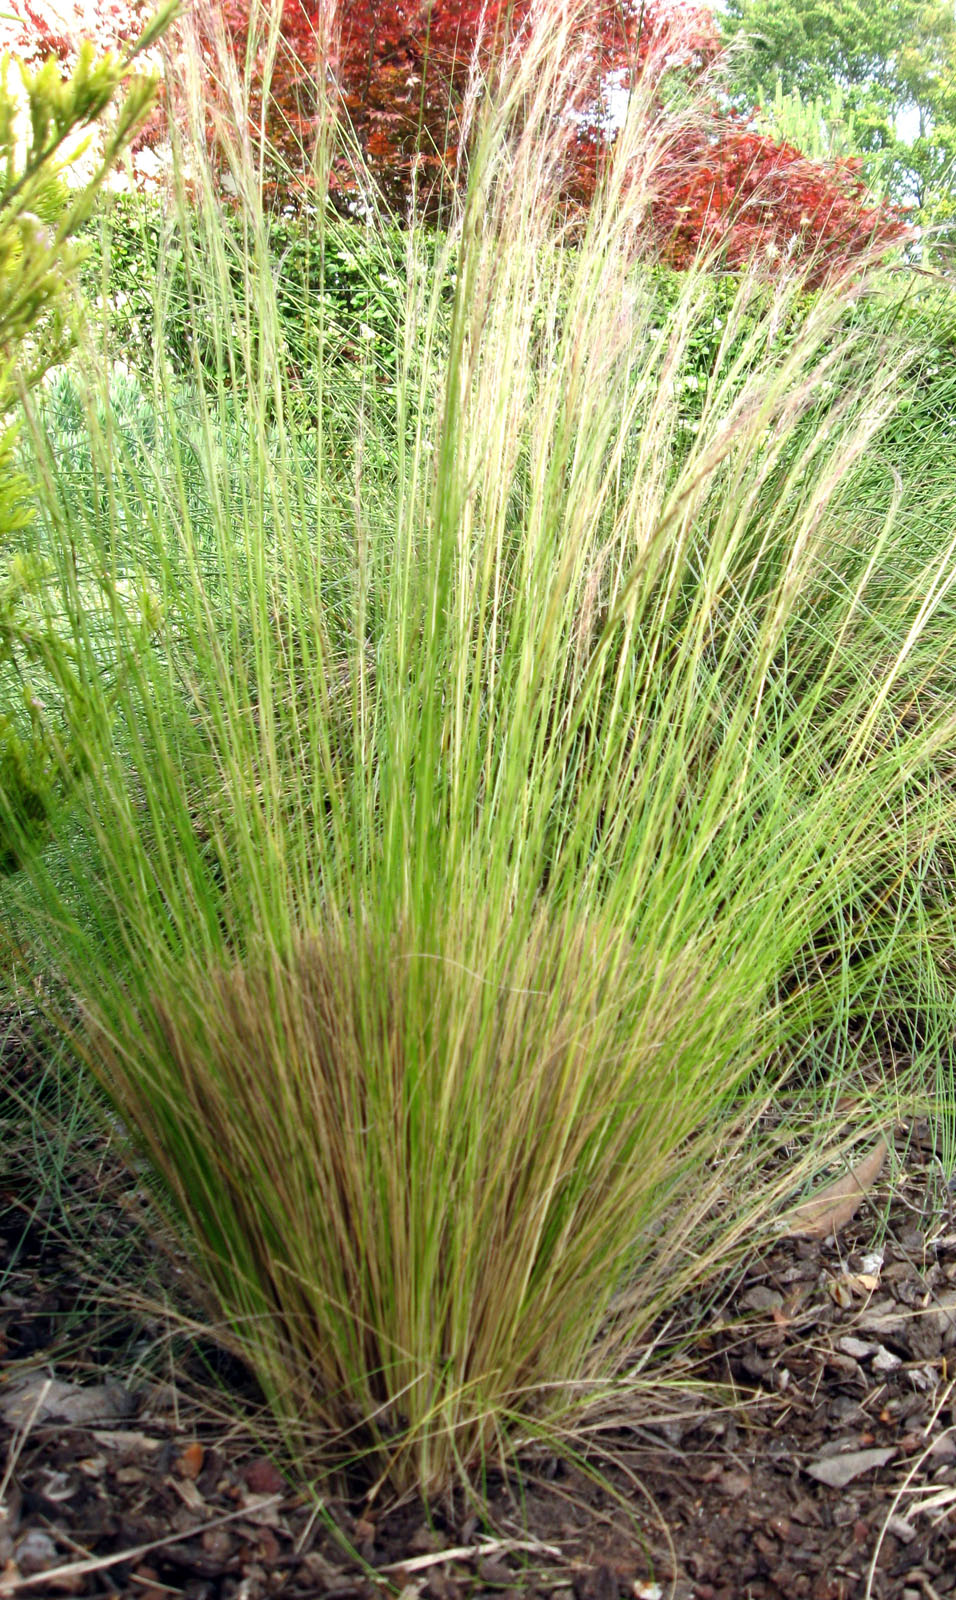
x=499, y=799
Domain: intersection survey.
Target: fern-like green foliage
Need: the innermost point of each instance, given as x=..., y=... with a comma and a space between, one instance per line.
x=41, y=213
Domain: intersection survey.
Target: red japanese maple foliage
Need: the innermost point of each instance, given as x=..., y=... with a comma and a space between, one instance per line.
x=399, y=71
x=759, y=200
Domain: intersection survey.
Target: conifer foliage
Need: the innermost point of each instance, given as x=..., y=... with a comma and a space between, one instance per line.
x=40, y=215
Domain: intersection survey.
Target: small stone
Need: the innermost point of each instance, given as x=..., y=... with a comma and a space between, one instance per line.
x=323, y=1572
x=35, y=1552
x=844, y=1364
x=761, y=1298
x=253, y=1585
x=218, y=1543
x=885, y=1360
x=440, y=1587
x=148, y=1584
x=423, y=1542
x=734, y=1483
x=857, y=1348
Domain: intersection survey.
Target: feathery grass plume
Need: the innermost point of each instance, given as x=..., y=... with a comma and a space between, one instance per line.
x=509, y=842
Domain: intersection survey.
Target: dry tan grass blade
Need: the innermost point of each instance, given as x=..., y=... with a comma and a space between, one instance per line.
x=832, y=1208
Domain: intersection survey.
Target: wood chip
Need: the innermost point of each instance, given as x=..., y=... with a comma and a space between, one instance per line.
x=262, y=1476
x=837, y=1471
x=883, y=1317
x=190, y=1462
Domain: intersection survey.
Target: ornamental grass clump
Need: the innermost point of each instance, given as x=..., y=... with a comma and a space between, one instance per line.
x=513, y=818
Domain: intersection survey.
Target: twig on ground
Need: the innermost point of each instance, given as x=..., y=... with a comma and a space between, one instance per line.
x=469, y=1552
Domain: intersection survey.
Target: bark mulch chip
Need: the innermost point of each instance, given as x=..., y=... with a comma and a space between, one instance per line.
x=824, y=1469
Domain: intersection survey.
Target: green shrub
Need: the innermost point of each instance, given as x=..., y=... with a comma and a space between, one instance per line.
x=343, y=287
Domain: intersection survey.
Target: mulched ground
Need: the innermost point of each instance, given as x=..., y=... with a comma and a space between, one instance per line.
x=822, y=1463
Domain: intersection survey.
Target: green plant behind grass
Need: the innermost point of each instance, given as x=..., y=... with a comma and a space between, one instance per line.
x=40, y=214
x=524, y=788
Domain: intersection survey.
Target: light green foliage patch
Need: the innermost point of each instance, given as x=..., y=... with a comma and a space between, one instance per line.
x=887, y=66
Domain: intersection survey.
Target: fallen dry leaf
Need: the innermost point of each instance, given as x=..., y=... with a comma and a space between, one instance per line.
x=126, y=1440
x=188, y=1494
x=36, y=1398
x=833, y=1207
x=840, y=1292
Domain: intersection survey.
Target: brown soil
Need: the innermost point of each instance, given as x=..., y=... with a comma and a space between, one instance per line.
x=819, y=1463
